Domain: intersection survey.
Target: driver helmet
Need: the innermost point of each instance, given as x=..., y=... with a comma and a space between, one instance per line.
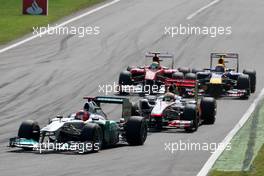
x=173, y=89
x=82, y=115
x=221, y=65
x=154, y=65
x=221, y=61
x=156, y=59
x=170, y=97
x=86, y=106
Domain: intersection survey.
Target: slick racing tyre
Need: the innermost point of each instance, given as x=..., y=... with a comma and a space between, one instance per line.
x=125, y=78
x=190, y=114
x=136, y=130
x=202, y=75
x=243, y=83
x=208, y=110
x=184, y=70
x=30, y=130
x=190, y=76
x=195, y=70
x=92, y=133
x=253, y=79
x=178, y=75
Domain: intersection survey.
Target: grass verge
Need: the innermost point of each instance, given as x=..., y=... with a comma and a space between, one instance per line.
x=256, y=169
x=13, y=24
x=246, y=156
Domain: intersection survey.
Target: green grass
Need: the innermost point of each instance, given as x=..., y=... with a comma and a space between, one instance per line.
x=245, y=145
x=246, y=157
x=13, y=24
x=257, y=168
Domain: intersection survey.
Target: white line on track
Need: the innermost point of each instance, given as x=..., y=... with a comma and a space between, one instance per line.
x=202, y=9
x=60, y=25
x=210, y=162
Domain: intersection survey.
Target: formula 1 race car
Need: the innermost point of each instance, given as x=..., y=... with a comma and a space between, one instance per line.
x=89, y=127
x=221, y=80
x=173, y=111
x=151, y=79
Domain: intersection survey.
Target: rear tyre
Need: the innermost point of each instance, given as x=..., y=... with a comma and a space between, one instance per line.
x=243, y=83
x=136, y=130
x=178, y=75
x=208, y=110
x=184, y=70
x=190, y=114
x=202, y=75
x=253, y=80
x=190, y=76
x=92, y=133
x=194, y=70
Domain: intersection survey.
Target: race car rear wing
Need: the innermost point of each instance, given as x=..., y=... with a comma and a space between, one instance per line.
x=126, y=104
x=225, y=55
x=160, y=56
x=191, y=85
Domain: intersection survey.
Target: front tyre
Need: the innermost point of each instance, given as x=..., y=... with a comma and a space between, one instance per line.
x=252, y=76
x=136, y=130
x=208, y=110
x=190, y=114
x=92, y=133
x=125, y=78
x=243, y=83
x=29, y=129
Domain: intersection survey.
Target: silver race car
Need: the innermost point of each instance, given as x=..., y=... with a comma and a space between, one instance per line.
x=84, y=131
x=173, y=111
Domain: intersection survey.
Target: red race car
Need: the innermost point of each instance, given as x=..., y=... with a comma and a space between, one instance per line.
x=155, y=78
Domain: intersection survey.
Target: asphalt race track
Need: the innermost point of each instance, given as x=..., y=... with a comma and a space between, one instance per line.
x=50, y=75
